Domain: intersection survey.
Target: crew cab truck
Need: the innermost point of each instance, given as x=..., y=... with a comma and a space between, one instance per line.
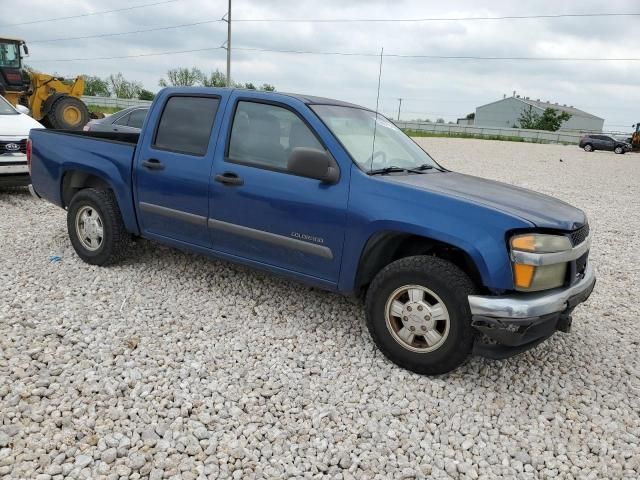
x=334, y=195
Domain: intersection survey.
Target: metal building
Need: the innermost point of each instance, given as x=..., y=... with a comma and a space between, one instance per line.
x=506, y=113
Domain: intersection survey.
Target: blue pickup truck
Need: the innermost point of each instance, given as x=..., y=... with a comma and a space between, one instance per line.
x=334, y=195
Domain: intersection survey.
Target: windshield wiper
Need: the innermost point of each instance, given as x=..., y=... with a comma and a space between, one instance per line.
x=425, y=166
x=393, y=169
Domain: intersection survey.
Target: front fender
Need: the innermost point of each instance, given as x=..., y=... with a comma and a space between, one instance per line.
x=476, y=229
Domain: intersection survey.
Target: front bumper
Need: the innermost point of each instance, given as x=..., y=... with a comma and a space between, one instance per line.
x=519, y=321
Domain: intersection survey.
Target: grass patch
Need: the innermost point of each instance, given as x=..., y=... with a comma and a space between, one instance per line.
x=504, y=138
x=100, y=109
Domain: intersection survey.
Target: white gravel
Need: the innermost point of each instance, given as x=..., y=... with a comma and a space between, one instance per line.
x=171, y=365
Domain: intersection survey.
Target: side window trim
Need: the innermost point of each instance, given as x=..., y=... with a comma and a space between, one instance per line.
x=237, y=101
x=152, y=141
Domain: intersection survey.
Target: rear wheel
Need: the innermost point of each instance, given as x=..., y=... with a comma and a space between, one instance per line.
x=418, y=314
x=68, y=113
x=619, y=150
x=95, y=227
x=588, y=147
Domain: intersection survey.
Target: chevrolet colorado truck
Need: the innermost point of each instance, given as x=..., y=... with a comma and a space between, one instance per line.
x=334, y=195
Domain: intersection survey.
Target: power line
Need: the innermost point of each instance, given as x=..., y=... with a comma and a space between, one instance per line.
x=101, y=35
x=204, y=22
x=355, y=54
x=89, y=14
x=155, y=54
x=436, y=57
x=433, y=19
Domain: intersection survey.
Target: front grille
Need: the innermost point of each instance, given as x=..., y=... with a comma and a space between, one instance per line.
x=6, y=146
x=581, y=263
x=580, y=235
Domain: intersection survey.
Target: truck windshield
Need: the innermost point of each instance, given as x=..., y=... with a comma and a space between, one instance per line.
x=6, y=109
x=392, y=149
x=9, y=55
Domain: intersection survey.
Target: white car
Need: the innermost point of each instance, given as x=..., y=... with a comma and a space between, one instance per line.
x=14, y=131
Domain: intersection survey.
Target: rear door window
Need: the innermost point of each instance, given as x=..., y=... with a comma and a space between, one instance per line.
x=122, y=121
x=136, y=118
x=185, y=125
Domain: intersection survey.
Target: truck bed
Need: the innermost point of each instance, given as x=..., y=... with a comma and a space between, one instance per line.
x=105, y=155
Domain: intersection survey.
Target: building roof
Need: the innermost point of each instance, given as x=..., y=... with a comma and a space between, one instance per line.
x=543, y=105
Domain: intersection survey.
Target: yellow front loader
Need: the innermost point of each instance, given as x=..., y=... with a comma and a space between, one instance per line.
x=53, y=101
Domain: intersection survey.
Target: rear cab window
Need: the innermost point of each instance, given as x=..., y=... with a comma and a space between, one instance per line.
x=185, y=124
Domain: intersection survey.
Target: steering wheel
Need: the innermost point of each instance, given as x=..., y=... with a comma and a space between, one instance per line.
x=379, y=153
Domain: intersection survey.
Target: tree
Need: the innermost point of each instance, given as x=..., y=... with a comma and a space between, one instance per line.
x=471, y=116
x=247, y=85
x=146, y=95
x=549, y=120
x=182, y=77
x=267, y=87
x=95, y=86
x=214, y=79
x=123, y=88
x=440, y=120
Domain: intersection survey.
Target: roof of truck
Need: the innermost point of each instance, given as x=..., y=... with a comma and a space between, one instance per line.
x=307, y=99
x=311, y=100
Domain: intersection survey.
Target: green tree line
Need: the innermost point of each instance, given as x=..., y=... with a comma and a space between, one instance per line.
x=119, y=86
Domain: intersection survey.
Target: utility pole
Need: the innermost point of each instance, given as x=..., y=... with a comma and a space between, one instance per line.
x=229, y=45
x=399, y=106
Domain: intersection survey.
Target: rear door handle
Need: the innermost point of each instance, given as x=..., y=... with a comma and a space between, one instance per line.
x=153, y=164
x=229, y=178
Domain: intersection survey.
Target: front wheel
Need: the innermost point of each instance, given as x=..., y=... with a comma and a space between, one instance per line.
x=588, y=148
x=95, y=227
x=619, y=150
x=418, y=314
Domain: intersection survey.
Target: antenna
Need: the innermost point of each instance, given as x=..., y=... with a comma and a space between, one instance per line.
x=375, y=124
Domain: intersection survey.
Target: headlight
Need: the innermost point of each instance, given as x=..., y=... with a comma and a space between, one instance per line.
x=532, y=278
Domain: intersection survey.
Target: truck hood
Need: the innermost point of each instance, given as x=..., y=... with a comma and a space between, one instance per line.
x=17, y=125
x=541, y=210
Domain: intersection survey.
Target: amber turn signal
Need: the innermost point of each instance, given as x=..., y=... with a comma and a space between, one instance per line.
x=523, y=275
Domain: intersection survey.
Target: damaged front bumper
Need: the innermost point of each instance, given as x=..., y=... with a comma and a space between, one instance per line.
x=519, y=321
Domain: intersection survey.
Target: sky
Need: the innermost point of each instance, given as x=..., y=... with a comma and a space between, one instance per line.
x=430, y=88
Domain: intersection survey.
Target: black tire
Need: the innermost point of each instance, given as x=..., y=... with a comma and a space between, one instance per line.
x=115, y=240
x=446, y=280
x=588, y=148
x=619, y=150
x=56, y=116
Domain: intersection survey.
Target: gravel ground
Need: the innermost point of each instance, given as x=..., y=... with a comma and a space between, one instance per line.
x=171, y=365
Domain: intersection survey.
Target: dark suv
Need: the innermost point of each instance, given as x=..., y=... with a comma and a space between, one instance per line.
x=603, y=142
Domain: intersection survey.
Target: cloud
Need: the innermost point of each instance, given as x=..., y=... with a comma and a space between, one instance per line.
x=430, y=88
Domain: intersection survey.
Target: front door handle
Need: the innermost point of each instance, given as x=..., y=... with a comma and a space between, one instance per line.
x=229, y=178
x=153, y=164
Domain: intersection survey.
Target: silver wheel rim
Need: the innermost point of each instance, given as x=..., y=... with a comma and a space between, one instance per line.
x=588, y=148
x=417, y=318
x=89, y=228
x=618, y=150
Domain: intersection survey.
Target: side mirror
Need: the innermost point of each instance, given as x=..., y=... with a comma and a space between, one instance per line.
x=25, y=48
x=22, y=109
x=313, y=163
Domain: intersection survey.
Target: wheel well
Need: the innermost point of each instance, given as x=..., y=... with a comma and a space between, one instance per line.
x=387, y=247
x=75, y=181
